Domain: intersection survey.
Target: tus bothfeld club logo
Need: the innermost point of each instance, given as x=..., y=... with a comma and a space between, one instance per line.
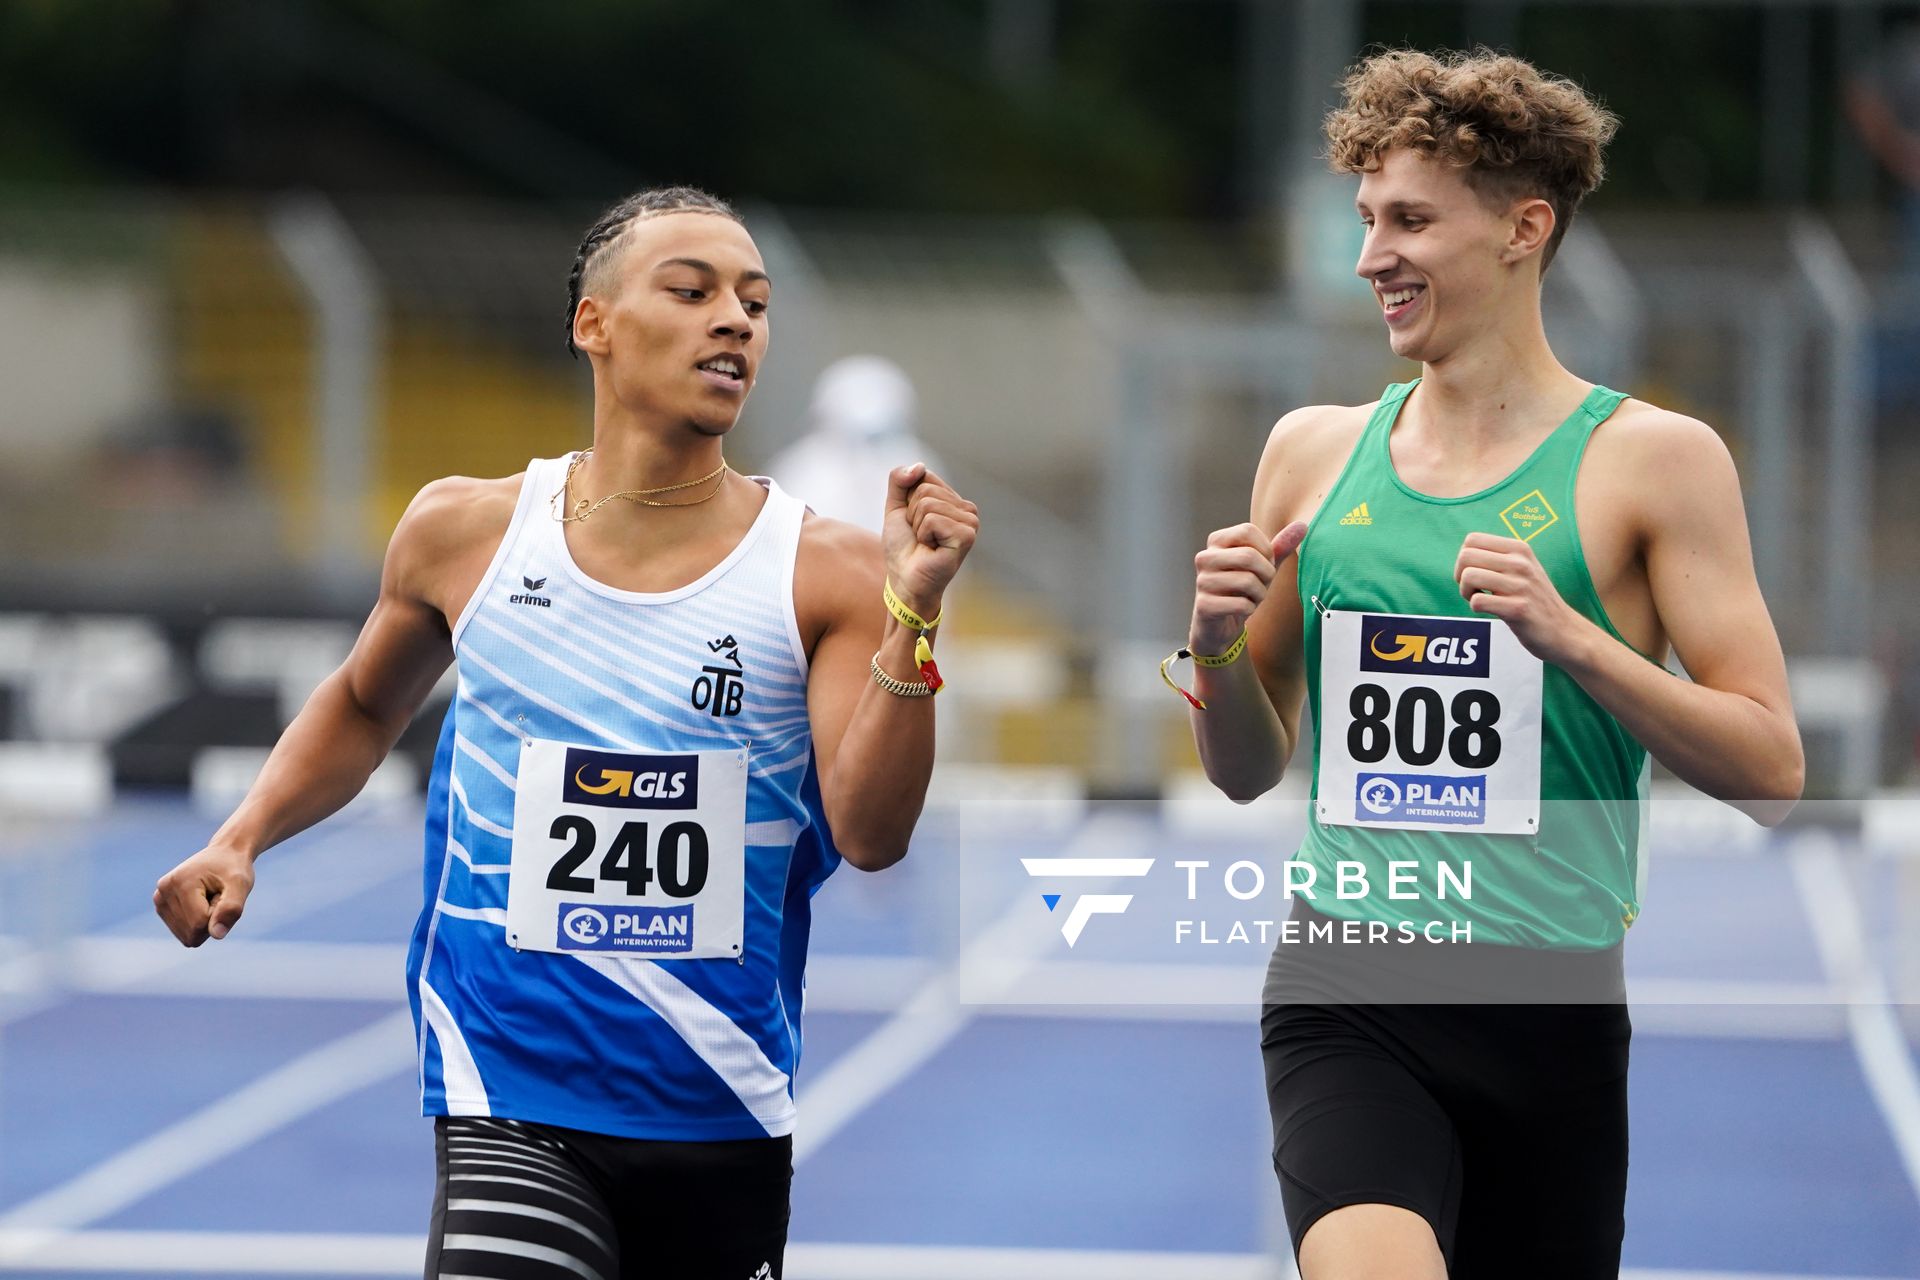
x=1529, y=517
x=1087, y=905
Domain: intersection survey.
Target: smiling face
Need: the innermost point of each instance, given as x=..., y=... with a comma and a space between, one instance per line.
x=674, y=317
x=1445, y=261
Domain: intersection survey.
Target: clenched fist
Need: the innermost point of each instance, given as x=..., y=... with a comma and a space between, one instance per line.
x=203, y=897
x=927, y=530
x=1231, y=578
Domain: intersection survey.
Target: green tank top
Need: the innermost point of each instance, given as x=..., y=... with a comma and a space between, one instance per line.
x=1377, y=546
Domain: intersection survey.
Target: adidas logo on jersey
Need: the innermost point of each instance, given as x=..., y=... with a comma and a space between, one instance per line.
x=1359, y=515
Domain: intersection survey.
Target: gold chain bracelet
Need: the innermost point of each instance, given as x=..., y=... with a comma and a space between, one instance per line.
x=902, y=688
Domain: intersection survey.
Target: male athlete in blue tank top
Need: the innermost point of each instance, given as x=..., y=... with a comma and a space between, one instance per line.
x=682, y=699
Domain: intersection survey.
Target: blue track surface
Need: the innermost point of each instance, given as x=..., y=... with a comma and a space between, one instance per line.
x=1765, y=1155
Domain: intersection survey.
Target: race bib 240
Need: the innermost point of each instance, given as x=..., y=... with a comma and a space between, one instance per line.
x=640, y=853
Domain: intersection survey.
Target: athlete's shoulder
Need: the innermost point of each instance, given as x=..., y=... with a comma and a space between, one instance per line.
x=1304, y=452
x=450, y=521
x=1667, y=469
x=454, y=509
x=1660, y=444
x=836, y=555
x=836, y=574
x=1318, y=428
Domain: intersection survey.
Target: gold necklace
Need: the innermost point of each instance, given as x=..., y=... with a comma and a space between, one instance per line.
x=581, y=508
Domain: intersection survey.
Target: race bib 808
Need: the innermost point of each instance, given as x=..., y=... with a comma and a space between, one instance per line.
x=629, y=852
x=1428, y=724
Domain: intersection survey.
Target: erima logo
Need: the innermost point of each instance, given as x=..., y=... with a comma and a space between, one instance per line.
x=1087, y=905
x=532, y=585
x=1425, y=646
x=1529, y=516
x=622, y=781
x=1359, y=515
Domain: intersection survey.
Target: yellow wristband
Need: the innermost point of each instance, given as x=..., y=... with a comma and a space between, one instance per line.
x=1234, y=650
x=1226, y=659
x=907, y=617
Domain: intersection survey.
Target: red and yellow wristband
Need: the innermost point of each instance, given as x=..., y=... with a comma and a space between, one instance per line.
x=922, y=648
x=1234, y=650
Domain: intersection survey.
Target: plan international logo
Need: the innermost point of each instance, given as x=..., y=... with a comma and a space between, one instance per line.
x=1087, y=905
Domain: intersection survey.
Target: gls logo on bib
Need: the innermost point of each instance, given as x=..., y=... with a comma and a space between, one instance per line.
x=620, y=781
x=1425, y=646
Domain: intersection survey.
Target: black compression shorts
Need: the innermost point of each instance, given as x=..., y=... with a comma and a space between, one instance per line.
x=520, y=1201
x=1504, y=1125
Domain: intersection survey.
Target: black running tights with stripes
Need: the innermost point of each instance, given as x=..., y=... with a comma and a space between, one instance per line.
x=520, y=1201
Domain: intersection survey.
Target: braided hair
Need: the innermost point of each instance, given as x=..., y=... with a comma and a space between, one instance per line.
x=609, y=227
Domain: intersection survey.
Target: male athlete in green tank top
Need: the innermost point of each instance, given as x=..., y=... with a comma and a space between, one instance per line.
x=1572, y=879
x=1474, y=583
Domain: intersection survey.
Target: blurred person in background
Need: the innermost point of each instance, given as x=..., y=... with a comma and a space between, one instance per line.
x=1474, y=581
x=1883, y=101
x=682, y=700
x=860, y=427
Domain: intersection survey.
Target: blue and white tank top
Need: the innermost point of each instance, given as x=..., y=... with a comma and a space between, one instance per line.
x=634, y=1042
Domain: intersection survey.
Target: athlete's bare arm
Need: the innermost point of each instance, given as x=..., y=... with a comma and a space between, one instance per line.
x=437, y=556
x=875, y=749
x=1730, y=731
x=1247, y=578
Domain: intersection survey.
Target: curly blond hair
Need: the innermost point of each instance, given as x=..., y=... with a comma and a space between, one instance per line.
x=1515, y=130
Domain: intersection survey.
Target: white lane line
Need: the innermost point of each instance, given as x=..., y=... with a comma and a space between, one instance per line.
x=933, y=1015
x=1633, y=1274
x=1878, y=1040
x=962, y=1262
x=249, y=968
x=229, y=1124
x=270, y=1253
x=211, y=1253
x=371, y=972
x=328, y=870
